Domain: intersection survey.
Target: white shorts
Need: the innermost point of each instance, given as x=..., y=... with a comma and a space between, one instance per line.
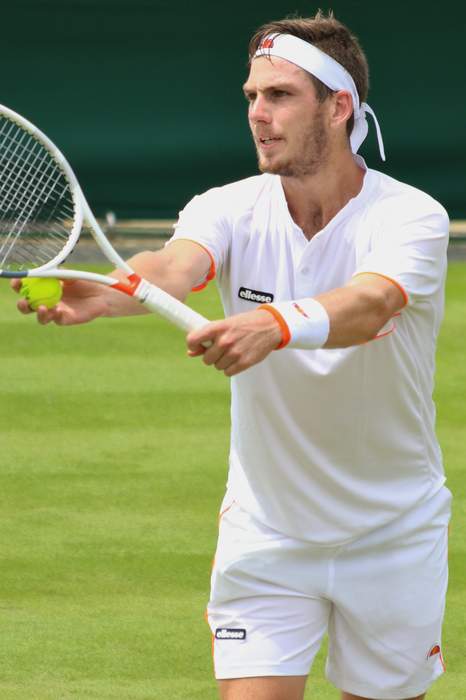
x=381, y=598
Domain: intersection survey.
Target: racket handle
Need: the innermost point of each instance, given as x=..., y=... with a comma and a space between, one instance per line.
x=172, y=309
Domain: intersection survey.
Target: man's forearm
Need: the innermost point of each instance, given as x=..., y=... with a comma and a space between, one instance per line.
x=155, y=268
x=357, y=313
x=175, y=269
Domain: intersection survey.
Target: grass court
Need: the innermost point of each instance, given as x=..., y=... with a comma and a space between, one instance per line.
x=113, y=464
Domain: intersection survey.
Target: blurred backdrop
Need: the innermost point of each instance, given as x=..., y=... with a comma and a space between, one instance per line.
x=144, y=96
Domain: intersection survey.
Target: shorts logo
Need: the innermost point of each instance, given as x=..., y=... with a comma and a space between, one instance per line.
x=228, y=633
x=255, y=296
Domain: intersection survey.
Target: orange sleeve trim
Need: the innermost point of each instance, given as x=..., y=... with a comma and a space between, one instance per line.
x=286, y=335
x=212, y=271
x=389, y=279
x=384, y=335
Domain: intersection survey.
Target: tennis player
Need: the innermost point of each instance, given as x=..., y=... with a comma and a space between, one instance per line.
x=332, y=279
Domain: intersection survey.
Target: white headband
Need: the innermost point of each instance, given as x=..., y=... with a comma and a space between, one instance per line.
x=329, y=72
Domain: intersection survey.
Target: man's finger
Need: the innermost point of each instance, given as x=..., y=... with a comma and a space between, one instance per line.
x=201, y=338
x=15, y=284
x=191, y=353
x=24, y=307
x=45, y=315
x=212, y=355
x=234, y=368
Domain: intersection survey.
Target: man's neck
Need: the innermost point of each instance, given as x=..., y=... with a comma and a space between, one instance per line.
x=314, y=200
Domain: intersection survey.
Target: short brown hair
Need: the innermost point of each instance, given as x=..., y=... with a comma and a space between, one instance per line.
x=330, y=36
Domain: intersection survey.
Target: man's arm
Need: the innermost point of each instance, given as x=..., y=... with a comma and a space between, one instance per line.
x=356, y=312
x=175, y=269
x=359, y=310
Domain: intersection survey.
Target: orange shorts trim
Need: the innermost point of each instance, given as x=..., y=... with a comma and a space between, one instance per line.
x=206, y=615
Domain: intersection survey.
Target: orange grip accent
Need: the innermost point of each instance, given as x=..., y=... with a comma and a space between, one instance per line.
x=128, y=287
x=286, y=335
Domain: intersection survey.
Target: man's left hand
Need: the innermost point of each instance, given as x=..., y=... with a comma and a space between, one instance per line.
x=237, y=342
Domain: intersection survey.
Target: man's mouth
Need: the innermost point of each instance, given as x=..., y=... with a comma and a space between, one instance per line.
x=269, y=141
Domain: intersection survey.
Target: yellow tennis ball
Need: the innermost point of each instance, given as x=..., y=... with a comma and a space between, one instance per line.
x=41, y=291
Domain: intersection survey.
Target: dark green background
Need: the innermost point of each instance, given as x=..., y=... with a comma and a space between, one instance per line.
x=144, y=96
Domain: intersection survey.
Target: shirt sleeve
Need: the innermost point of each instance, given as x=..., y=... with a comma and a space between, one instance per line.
x=205, y=221
x=410, y=249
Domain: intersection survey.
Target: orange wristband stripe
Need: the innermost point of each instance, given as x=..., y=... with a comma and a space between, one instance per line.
x=286, y=335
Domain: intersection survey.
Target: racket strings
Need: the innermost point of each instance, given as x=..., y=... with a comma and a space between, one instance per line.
x=36, y=202
x=30, y=179
x=25, y=210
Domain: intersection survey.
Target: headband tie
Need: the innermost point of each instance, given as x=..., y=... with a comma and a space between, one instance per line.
x=329, y=72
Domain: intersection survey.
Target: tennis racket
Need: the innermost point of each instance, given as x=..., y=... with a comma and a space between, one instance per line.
x=42, y=212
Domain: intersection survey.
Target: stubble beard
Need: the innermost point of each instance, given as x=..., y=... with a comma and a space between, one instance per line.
x=312, y=155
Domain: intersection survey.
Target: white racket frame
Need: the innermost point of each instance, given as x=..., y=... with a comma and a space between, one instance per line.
x=151, y=296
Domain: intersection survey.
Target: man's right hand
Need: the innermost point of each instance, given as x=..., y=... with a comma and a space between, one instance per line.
x=81, y=302
x=175, y=269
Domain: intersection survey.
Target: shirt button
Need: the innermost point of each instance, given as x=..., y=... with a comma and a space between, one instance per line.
x=304, y=270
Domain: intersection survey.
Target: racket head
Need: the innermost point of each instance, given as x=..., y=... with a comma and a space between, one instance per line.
x=41, y=204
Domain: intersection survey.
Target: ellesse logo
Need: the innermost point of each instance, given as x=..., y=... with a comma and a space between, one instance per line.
x=255, y=296
x=228, y=633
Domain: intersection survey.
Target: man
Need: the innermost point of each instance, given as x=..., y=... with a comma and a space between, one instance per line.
x=332, y=278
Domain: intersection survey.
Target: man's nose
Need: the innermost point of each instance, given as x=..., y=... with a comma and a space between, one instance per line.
x=259, y=111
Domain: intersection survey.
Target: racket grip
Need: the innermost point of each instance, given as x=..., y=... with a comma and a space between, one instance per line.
x=172, y=309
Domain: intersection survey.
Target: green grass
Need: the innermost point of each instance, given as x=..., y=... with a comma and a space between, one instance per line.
x=113, y=463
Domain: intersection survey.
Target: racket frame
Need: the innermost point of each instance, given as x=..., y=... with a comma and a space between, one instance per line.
x=150, y=295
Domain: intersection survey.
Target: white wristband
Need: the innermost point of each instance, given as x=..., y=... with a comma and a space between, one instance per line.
x=304, y=323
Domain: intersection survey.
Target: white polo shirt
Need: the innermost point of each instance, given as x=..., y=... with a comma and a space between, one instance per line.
x=329, y=444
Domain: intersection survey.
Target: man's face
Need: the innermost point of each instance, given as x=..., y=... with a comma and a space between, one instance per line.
x=287, y=121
